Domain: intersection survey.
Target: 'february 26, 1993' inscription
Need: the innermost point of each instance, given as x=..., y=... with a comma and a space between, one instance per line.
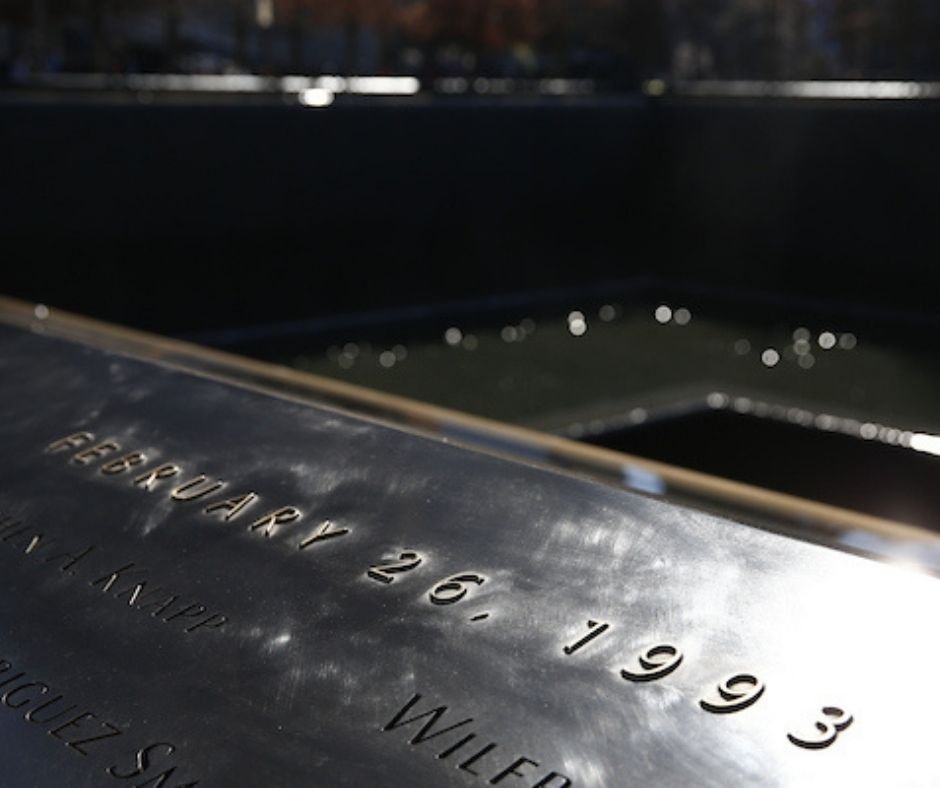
x=206, y=583
x=132, y=585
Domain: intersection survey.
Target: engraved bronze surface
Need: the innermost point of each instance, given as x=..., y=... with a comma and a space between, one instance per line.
x=781, y=512
x=203, y=584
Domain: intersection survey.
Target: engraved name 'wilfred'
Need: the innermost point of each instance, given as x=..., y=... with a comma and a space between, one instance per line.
x=486, y=762
x=113, y=461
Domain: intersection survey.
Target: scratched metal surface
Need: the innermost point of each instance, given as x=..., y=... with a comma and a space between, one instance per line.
x=317, y=657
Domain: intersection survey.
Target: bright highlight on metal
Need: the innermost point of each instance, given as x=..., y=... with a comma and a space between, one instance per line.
x=808, y=89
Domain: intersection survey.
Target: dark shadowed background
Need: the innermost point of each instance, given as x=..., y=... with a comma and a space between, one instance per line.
x=670, y=227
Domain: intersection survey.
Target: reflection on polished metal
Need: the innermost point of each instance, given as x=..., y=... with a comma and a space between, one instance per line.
x=854, y=89
x=779, y=511
x=204, y=583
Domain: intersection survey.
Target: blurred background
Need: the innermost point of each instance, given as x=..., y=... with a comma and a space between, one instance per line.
x=615, y=44
x=702, y=232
